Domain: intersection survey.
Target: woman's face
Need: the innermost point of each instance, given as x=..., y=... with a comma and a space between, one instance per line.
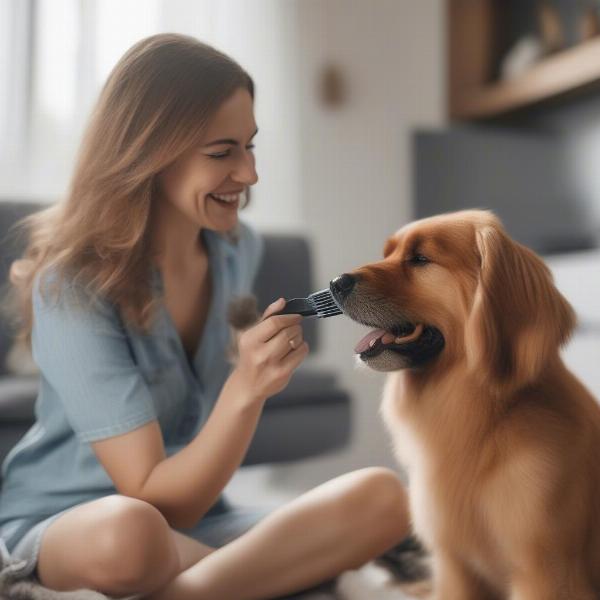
x=222, y=164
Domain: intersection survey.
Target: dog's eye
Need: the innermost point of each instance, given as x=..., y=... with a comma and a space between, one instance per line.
x=419, y=259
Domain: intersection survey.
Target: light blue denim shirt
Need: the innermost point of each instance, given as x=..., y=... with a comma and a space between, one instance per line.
x=100, y=378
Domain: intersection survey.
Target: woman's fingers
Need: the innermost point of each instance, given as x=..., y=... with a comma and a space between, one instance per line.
x=270, y=351
x=294, y=357
x=273, y=308
x=287, y=340
x=294, y=342
x=271, y=324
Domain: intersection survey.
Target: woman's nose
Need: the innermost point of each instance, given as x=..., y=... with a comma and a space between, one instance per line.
x=245, y=171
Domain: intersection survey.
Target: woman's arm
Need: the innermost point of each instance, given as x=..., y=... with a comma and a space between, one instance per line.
x=184, y=486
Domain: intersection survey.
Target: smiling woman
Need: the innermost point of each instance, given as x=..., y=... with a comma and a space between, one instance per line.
x=137, y=397
x=217, y=178
x=128, y=158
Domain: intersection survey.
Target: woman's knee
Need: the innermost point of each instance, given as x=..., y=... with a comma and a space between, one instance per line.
x=136, y=550
x=378, y=499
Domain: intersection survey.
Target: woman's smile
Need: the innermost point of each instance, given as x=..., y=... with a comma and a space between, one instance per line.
x=226, y=201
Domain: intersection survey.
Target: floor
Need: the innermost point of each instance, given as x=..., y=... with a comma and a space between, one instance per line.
x=372, y=583
x=367, y=583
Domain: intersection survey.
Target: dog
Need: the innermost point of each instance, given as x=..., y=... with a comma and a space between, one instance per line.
x=500, y=441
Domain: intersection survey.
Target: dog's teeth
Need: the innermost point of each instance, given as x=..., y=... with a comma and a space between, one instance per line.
x=398, y=340
x=372, y=343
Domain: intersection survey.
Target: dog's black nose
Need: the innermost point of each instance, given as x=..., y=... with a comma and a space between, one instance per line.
x=341, y=286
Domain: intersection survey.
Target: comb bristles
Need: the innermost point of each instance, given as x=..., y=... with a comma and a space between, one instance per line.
x=329, y=314
x=322, y=297
x=324, y=304
x=326, y=307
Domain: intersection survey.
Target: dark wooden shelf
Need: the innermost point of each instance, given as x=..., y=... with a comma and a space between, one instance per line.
x=558, y=74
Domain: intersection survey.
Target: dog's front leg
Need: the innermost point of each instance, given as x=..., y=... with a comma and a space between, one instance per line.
x=453, y=580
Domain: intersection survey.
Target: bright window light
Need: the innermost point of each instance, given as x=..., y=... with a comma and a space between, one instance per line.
x=119, y=24
x=55, y=59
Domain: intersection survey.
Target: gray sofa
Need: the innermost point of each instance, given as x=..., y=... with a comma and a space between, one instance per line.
x=311, y=416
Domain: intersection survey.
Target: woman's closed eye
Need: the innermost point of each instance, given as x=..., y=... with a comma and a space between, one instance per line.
x=228, y=153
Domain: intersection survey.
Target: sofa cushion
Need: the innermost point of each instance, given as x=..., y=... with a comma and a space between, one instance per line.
x=17, y=398
x=286, y=270
x=12, y=245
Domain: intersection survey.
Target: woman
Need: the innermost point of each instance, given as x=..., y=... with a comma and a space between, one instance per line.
x=140, y=420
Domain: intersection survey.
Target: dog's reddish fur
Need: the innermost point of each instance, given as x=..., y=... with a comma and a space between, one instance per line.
x=501, y=441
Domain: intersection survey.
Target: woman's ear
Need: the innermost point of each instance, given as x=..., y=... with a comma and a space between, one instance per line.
x=519, y=319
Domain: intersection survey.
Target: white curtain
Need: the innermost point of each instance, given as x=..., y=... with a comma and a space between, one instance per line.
x=56, y=54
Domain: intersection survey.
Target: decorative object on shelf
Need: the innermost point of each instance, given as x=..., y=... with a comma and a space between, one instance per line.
x=480, y=30
x=589, y=22
x=524, y=54
x=550, y=27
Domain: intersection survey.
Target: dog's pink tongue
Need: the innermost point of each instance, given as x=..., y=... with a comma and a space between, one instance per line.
x=364, y=344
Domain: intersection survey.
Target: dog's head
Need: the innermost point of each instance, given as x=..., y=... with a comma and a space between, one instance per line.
x=456, y=285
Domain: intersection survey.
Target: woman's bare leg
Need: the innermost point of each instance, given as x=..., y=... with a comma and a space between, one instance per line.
x=190, y=551
x=119, y=545
x=116, y=545
x=339, y=525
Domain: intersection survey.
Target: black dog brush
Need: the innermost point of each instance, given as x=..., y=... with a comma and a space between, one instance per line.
x=320, y=304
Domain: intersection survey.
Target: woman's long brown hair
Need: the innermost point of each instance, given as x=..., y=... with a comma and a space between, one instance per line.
x=153, y=108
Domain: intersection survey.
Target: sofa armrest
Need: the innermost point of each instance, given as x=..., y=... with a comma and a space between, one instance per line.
x=17, y=398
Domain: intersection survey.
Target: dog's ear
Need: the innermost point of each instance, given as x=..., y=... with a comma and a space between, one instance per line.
x=518, y=319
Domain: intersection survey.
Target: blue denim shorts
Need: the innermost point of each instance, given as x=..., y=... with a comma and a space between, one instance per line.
x=217, y=528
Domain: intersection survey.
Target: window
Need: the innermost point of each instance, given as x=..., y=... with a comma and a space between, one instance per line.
x=56, y=55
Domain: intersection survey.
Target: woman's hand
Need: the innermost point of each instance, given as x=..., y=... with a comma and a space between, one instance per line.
x=269, y=352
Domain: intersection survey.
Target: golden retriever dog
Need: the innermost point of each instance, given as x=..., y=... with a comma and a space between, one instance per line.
x=501, y=442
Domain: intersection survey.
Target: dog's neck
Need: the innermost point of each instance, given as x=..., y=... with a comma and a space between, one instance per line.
x=452, y=387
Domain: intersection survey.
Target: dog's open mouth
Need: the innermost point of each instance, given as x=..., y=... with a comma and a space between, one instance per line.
x=395, y=341
x=379, y=340
x=400, y=347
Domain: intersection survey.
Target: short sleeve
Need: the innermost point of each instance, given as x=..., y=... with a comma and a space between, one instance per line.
x=83, y=352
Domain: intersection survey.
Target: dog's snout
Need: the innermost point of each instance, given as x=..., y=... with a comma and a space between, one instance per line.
x=341, y=286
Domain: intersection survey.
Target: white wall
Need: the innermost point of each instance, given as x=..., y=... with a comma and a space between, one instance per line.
x=259, y=36
x=353, y=180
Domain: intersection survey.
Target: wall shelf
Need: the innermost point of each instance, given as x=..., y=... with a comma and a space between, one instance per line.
x=473, y=94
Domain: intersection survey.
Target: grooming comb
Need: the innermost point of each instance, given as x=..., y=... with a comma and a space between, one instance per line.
x=320, y=304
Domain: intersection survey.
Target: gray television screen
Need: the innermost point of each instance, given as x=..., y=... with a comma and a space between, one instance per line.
x=523, y=177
